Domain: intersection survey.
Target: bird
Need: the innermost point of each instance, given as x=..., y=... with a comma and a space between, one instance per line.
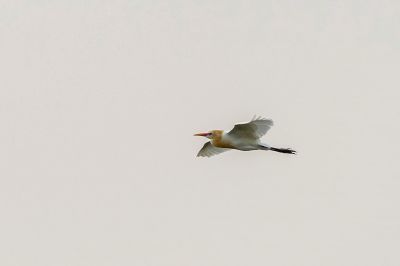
x=243, y=137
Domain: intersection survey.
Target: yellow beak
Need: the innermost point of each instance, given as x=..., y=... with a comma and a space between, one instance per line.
x=201, y=134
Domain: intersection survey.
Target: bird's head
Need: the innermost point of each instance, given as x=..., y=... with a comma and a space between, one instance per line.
x=213, y=134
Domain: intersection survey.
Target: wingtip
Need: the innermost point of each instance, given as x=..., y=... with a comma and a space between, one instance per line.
x=259, y=117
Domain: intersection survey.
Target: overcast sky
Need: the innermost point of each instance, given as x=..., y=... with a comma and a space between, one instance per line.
x=99, y=101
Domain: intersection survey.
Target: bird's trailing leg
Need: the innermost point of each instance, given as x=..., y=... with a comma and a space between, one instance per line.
x=283, y=150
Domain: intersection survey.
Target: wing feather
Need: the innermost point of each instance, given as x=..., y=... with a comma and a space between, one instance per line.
x=209, y=150
x=254, y=129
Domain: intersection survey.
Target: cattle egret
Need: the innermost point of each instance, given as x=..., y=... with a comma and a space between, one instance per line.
x=244, y=137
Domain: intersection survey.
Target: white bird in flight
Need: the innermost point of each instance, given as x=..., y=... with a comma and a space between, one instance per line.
x=244, y=137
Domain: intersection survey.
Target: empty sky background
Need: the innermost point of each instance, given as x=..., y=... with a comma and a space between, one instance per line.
x=99, y=101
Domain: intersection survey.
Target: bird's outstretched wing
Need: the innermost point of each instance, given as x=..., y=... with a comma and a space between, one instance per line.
x=209, y=150
x=256, y=128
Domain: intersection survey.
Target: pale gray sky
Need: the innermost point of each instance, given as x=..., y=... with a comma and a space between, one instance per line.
x=99, y=101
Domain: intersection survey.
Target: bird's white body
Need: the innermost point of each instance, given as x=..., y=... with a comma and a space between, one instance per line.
x=243, y=144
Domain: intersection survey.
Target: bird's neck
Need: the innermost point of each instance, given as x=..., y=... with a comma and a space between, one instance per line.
x=221, y=142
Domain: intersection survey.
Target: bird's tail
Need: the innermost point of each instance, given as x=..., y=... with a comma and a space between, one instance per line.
x=283, y=150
